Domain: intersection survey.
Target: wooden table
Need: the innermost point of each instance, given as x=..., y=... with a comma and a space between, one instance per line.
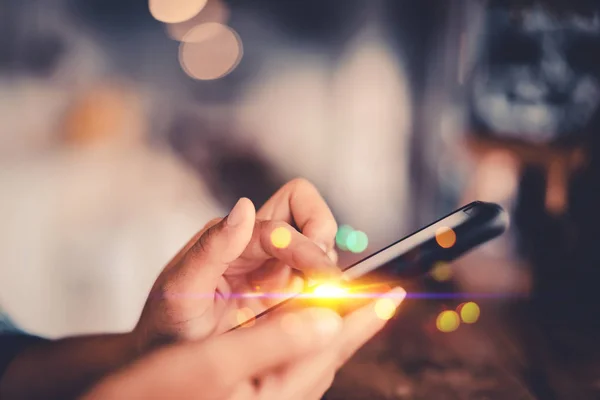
x=506, y=355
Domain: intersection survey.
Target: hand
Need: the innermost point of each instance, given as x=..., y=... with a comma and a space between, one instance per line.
x=291, y=356
x=198, y=292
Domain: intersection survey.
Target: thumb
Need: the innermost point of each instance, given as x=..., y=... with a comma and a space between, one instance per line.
x=207, y=259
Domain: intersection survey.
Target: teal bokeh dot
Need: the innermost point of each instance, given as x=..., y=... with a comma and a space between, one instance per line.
x=342, y=236
x=357, y=241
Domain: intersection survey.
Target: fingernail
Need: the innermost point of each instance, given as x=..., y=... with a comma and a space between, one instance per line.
x=326, y=323
x=397, y=295
x=236, y=216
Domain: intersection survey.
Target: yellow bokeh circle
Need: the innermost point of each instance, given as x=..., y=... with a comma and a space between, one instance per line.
x=469, y=313
x=281, y=237
x=447, y=321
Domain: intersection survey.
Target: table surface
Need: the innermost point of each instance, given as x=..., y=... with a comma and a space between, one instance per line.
x=507, y=354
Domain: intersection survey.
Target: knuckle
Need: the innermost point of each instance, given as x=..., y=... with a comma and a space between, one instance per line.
x=202, y=245
x=330, y=226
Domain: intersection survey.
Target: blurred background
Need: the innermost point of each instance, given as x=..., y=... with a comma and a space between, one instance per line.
x=125, y=125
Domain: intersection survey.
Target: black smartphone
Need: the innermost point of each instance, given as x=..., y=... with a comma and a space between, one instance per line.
x=414, y=255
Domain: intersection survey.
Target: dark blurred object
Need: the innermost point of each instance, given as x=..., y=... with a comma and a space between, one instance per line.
x=537, y=79
x=28, y=46
x=323, y=23
x=230, y=169
x=113, y=17
x=584, y=8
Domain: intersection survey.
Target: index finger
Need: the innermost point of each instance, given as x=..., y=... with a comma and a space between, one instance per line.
x=299, y=202
x=362, y=324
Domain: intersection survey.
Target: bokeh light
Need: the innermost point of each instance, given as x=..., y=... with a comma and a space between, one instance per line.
x=342, y=236
x=357, y=241
x=281, y=237
x=245, y=317
x=214, y=11
x=329, y=290
x=447, y=321
x=445, y=237
x=210, y=51
x=173, y=11
x=469, y=312
x=441, y=271
x=385, y=309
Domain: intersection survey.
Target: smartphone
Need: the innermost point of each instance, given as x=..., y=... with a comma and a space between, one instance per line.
x=414, y=255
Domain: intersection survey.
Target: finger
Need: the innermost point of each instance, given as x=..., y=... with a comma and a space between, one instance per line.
x=209, y=256
x=320, y=388
x=249, y=352
x=363, y=323
x=302, y=379
x=298, y=251
x=245, y=390
x=299, y=202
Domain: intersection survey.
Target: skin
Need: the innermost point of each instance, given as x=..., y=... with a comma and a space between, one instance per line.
x=189, y=307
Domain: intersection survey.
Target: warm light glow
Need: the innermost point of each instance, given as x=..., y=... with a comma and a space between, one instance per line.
x=469, y=312
x=245, y=317
x=445, y=237
x=328, y=290
x=173, y=11
x=210, y=51
x=357, y=241
x=214, y=11
x=385, y=309
x=441, y=272
x=448, y=321
x=281, y=237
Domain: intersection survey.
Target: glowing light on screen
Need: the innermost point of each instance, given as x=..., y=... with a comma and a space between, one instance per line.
x=445, y=237
x=357, y=241
x=173, y=11
x=447, y=321
x=385, y=309
x=245, y=317
x=210, y=51
x=469, y=312
x=281, y=237
x=441, y=272
x=328, y=290
x=342, y=236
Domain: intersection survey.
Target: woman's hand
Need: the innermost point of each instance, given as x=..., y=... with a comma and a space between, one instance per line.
x=220, y=270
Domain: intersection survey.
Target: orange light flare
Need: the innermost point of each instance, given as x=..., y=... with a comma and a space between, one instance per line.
x=445, y=237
